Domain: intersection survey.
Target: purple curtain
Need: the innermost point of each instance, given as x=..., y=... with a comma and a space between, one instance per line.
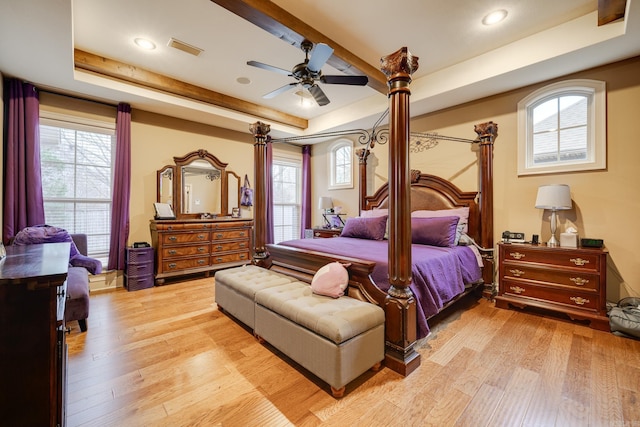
x=23, y=204
x=269, y=184
x=305, y=220
x=121, y=189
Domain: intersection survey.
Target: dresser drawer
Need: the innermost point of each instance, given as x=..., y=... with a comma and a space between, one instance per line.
x=567, y=297
x=229, y=234
x=182, y=251
x=185, y=237
x=229, y=246
x=184, y=264
x=183, y=226
x=221, y=259
x=561, y=258
x=563, y=277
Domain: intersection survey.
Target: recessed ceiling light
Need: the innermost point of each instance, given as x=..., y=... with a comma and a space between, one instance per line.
x=144, y=43
x=243, y=80
x=494, y=17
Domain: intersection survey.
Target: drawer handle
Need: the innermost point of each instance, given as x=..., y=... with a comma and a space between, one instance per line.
x=579, y=261
x=173, y=238
x=219, y=247
x=243, y=256
x=219, y=259
x=173, y=252
x=516, y=273
x=517, y=289
x=200, y=236
x=201, y=261
x=317, y=234
x=219, y=235
x=579, y=281
x=170, y=228
x=516, y=255
x=242, y=245
x=201, y=249
x=579, y=300
x=242, y=234
x=173, y=265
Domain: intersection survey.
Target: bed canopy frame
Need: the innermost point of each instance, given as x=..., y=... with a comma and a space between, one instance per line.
x=399, y=303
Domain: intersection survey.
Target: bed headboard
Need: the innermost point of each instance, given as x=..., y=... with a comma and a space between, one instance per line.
x=429, y=192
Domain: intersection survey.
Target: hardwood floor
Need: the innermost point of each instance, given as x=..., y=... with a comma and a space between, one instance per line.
x=167, y=357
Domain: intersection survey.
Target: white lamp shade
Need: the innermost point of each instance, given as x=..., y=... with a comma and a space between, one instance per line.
x=555, y=196
x=325, y=203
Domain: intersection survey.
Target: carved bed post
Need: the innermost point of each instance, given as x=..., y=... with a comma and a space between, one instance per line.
x=400, y=304
x=362, y=154
x=487, y=133
x=260, y=253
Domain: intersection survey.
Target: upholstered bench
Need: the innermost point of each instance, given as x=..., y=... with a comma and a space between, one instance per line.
x=337, y=339
x=235, y=290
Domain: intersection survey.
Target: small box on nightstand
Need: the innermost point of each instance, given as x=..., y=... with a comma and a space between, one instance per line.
x=568, y=240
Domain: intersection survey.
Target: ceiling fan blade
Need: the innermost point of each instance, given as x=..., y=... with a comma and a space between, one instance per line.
x=345, y=80
x=319, y=56
x=318, y=95
x=269, y=67
x=280, y=90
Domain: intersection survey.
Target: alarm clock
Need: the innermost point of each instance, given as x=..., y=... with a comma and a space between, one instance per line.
x=591, y=243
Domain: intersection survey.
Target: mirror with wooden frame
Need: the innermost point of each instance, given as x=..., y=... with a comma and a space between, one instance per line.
x=198, y=184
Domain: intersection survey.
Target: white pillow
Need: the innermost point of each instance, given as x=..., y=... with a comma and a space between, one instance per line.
x=331, y=280
x=374, y=213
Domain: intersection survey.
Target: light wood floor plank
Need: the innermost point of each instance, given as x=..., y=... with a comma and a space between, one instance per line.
x=166, y=356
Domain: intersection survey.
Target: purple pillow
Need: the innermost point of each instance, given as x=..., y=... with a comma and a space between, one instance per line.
x=440, y=231
x=365, y=228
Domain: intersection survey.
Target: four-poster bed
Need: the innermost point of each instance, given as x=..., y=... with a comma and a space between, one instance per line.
x=406, y=191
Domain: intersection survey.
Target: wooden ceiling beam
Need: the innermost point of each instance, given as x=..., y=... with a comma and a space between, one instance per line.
x=280, y=23
x=148, y=79
x=610, y=10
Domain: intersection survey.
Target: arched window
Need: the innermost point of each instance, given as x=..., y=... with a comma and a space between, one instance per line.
x=562, y=128
x=341, y=164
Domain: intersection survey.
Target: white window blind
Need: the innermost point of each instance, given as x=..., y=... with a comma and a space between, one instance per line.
x=286, y=176
x=77, y=161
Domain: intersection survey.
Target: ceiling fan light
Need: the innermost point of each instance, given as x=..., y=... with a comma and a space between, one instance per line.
x=494, y=17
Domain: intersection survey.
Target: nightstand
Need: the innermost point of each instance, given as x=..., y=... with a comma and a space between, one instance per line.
x=572, y=281
x=319, y=233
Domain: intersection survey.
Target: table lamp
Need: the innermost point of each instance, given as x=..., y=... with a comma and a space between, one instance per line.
x=325, y=204
x=555, y=197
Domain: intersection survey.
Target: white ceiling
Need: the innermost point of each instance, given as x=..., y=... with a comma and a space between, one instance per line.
x=460, y=59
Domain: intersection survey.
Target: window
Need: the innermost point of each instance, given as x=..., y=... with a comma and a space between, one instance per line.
x=286, y=175
x=76, y=157
x=562, y=128
x=341, y=165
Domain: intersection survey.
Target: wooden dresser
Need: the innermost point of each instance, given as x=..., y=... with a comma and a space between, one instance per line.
x=192, y=246
x=33, y=352
x=572, y=281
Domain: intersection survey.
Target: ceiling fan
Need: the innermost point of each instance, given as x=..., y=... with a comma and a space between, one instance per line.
x=308, y=72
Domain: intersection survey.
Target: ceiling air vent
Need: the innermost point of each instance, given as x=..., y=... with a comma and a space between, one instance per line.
x=177, y=44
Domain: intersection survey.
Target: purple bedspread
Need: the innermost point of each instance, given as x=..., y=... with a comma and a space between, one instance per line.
x=438, y=274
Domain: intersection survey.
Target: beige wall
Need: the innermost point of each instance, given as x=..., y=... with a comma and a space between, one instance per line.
x=606, y=203
x=156, y=139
